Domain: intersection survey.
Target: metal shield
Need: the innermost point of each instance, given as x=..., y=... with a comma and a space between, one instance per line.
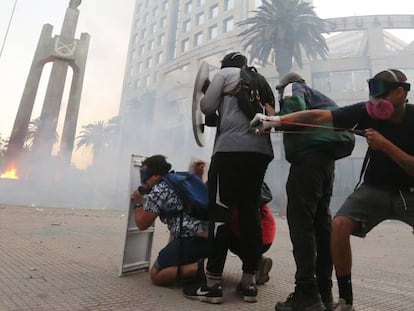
x=200, y=131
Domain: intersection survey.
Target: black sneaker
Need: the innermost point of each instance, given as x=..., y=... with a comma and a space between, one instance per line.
x=301, y=302
x=262, y=275
x=249, y=293
x=203, y=293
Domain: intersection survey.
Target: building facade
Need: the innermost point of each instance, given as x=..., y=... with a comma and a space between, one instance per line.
x=170, y=38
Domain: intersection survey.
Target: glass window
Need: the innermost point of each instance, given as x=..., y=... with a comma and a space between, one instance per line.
x=164, y=5
x=201, y=2
x=141, y=50
x=185, y=45
x=149, y=62
x=198, y=38
x=200, y=19
x=145, y=19
x=153, y=28
x=139, y=67
x=143, y=33
x=151, y=45
x=155, y=12
x=186, y=26
x=159, y=58
x=163, y=22
x=228, y=24
x=212, y=32
x=321, y=82
x=161, y=39
x=155, y=77
x=187, y=7
x=214, y=11
x=228, y=5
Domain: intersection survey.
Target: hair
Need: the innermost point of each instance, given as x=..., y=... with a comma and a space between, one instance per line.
x=391, y=75
x=157, y=165
x=234, y=59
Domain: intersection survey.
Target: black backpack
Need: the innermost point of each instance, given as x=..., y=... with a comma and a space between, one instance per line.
x=252, y=92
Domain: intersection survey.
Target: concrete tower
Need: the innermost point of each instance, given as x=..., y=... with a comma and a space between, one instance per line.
x=63, y=51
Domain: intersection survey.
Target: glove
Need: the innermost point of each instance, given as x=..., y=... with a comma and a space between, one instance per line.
x=262, y=122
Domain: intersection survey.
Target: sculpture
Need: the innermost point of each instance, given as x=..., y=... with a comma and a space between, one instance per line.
x=73, y=4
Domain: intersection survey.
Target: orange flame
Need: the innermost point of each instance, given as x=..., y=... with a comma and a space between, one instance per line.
x=10, y=174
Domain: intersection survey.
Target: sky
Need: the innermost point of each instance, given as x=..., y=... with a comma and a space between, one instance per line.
x=109, y=23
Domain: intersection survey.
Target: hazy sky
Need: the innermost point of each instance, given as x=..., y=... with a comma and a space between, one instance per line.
x=109, y=23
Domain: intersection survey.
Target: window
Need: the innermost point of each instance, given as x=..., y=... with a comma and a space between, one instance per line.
x=149, y=62
x=214, y=11
x=159, y=58
x=141, y=50
x=155, y=77
x=164, y=5
x=185, y=45
x=201, y=2
x=145, y=19
x=199, y=19
x=139, y=67
x=151, y=45
x=212, y=32
x=138, y=83
x=153, y=28
x=161, y=39
x=228, y=5
x=228, y=24
x=163, y=22
x=143, y=33
x=186, y=26
x=155, y=12
x=198, y=38
x=187, y=7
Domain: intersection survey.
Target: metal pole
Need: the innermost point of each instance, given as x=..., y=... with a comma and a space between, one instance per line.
x=8, y=27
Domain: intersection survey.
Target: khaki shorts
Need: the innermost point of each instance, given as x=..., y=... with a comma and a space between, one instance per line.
x=371, y=205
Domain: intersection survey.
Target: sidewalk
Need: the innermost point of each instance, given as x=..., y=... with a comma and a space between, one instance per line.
x=67, y=259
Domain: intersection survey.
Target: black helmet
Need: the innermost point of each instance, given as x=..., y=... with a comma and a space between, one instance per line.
x=234, y=59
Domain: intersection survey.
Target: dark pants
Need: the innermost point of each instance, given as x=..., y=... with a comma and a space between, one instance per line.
x=309, y=190
x=234, y=181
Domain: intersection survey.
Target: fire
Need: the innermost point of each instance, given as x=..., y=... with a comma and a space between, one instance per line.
x=11, y=174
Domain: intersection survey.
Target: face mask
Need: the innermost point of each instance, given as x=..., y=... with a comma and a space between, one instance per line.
x=380, y=110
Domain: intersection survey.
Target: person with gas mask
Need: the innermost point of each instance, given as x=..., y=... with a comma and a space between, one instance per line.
x=182, y=259
x=387, y=188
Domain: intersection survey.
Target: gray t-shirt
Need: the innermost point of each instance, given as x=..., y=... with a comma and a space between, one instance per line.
x=234, y=133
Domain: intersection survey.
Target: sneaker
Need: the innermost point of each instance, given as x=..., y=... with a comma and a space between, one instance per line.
x=301, y=302
x=203, y=293
x=342, y=306
x=249, y=293
x=327, y=300
x=262, y=275
x=200, y=277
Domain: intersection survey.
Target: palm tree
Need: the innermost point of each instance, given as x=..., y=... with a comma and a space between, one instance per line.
x=283, y=27
x=31, y=133
x=99, y=136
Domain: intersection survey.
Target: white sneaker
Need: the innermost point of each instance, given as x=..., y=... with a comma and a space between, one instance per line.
x=342, y=306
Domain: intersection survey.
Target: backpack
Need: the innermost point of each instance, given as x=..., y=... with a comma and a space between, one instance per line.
x=252, y=92
x=192, y=191
x=298, y=96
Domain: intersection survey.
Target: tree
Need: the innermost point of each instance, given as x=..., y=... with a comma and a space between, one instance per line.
x=283, y=27
x=31, y=133
x=99, y=136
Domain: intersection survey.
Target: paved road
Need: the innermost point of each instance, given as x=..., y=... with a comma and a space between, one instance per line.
x=68, y=259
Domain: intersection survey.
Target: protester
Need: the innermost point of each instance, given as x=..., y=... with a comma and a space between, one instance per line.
x=235, y=176
x=387, y=190
x=182, y=258
x=309, y=190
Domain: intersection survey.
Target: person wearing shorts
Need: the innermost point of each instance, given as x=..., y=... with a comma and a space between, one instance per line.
x=387, y=191
x=183, y=257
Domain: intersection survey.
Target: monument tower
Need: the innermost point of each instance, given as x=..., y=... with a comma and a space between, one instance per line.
x=63, y=51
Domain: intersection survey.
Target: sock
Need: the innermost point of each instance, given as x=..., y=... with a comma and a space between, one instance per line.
x=212, y=279
x=345, y=288
x=248, y=279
